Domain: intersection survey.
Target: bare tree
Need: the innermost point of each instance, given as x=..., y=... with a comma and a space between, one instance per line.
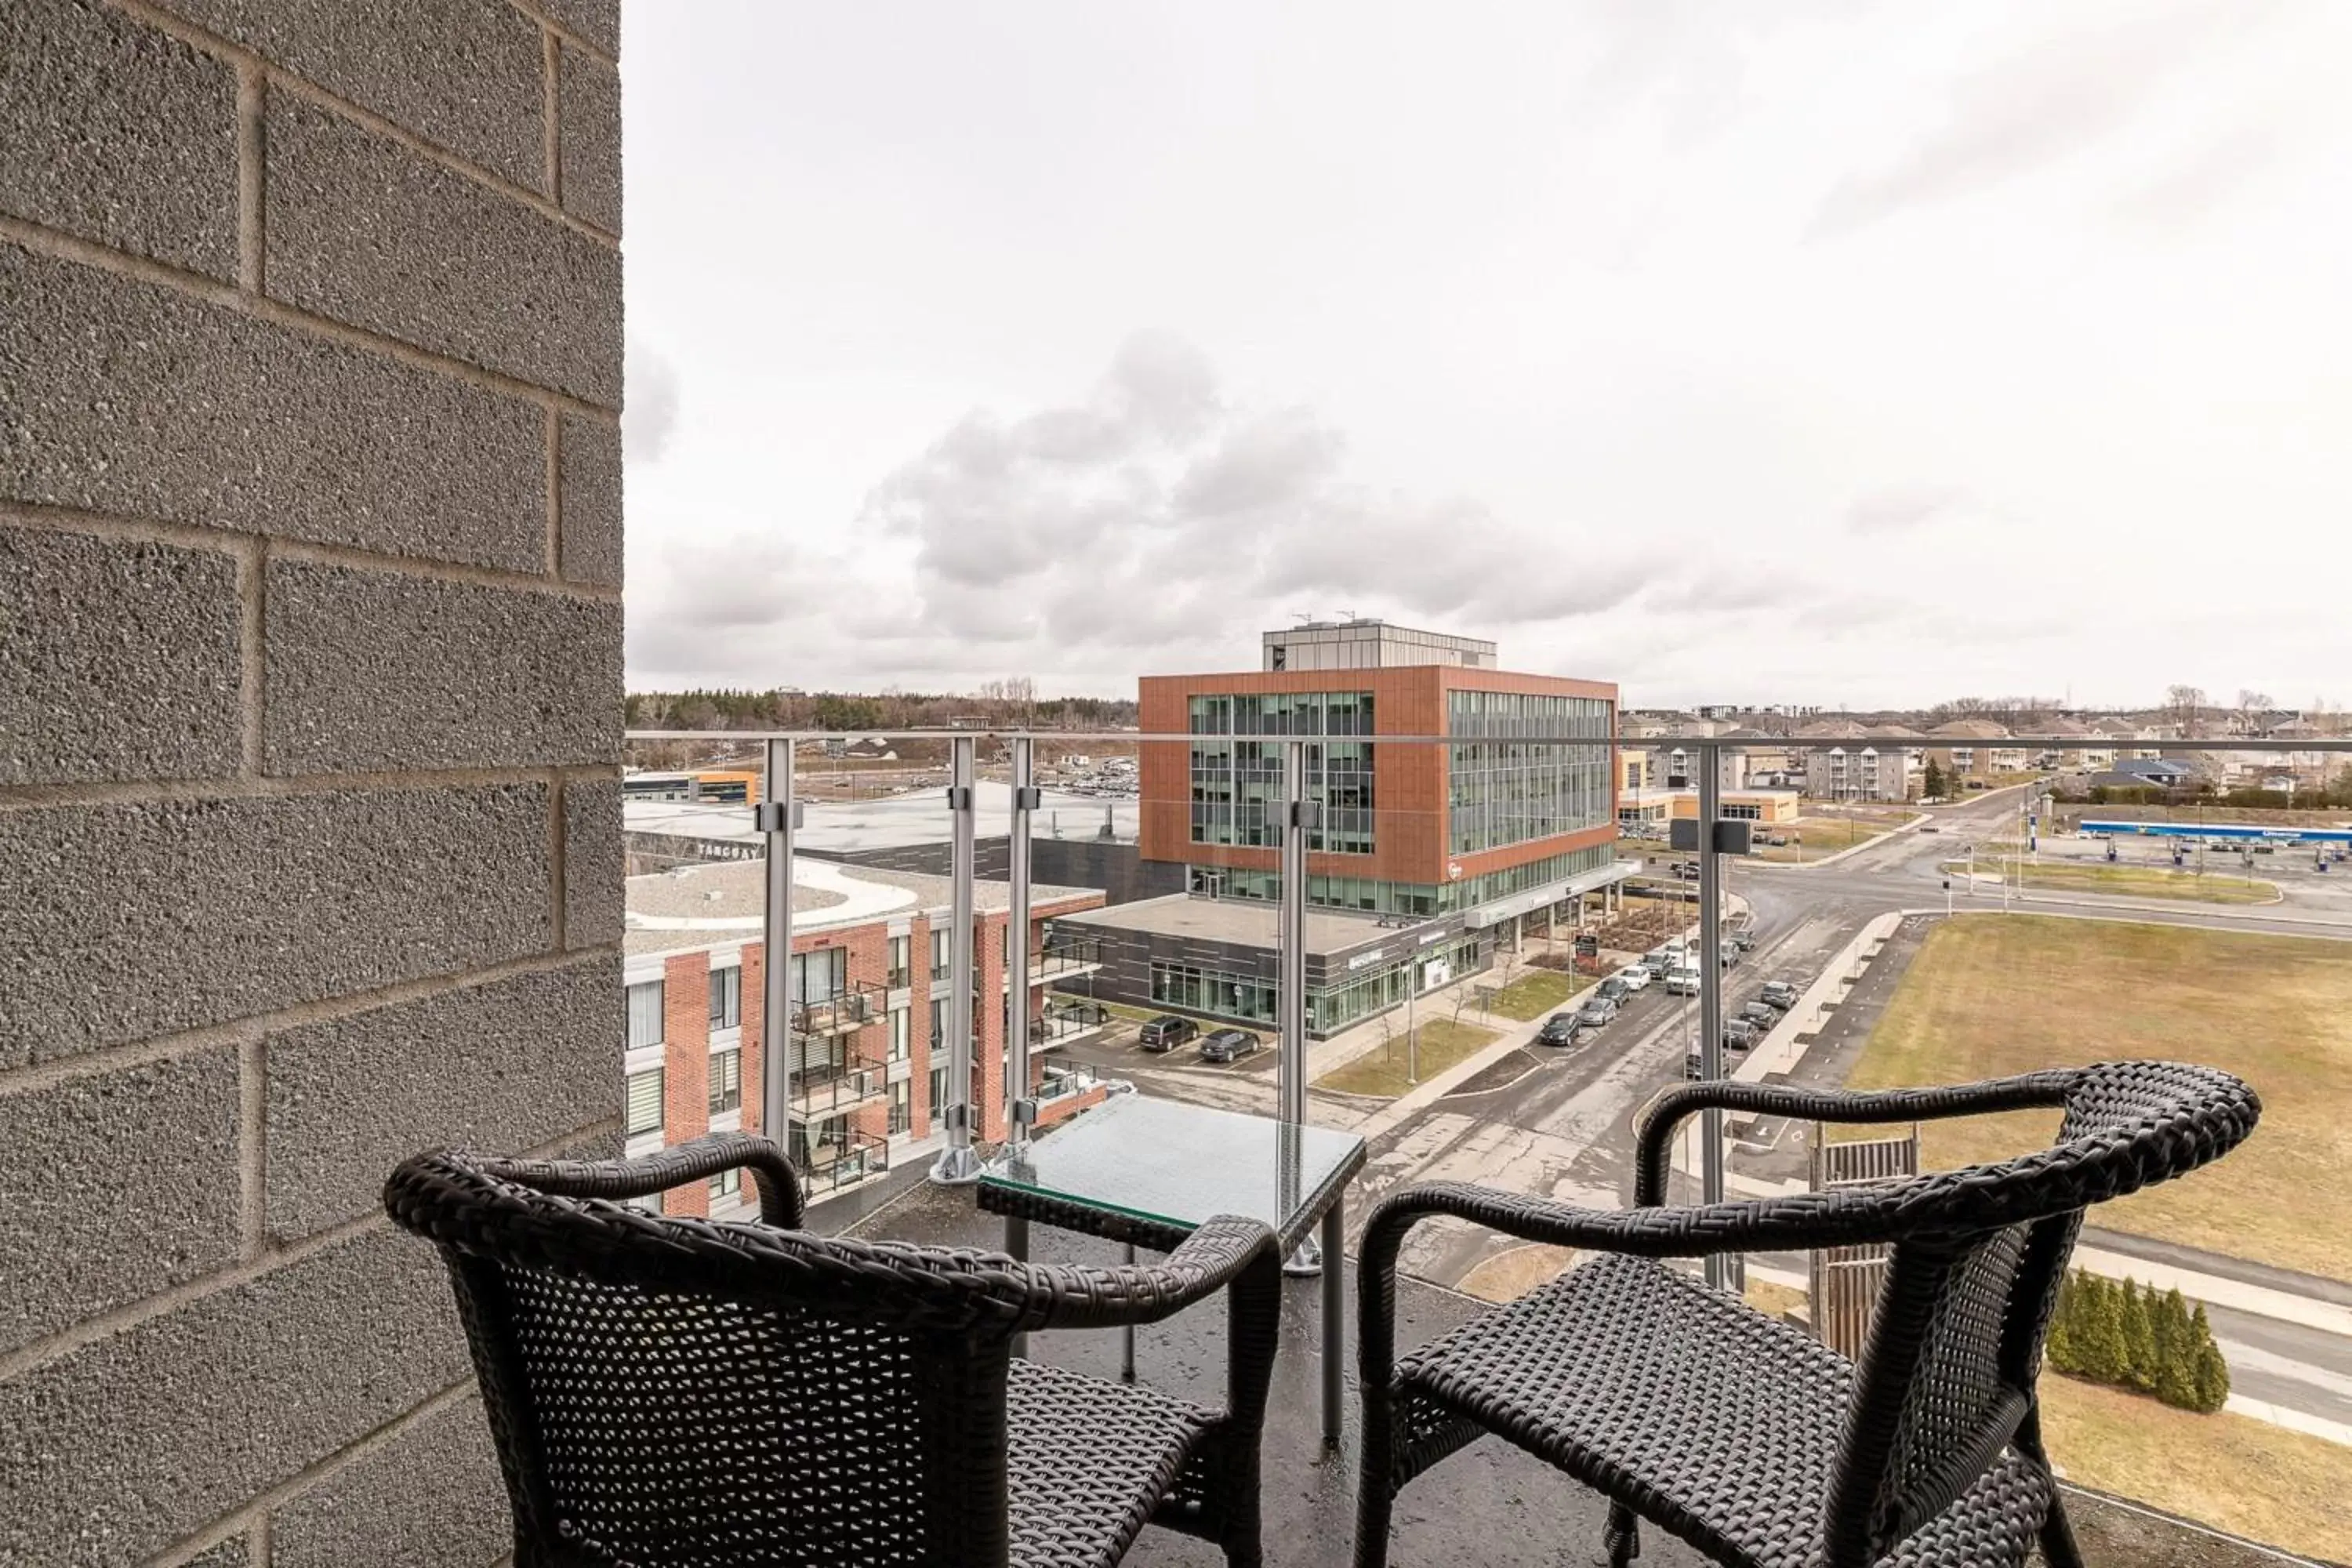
x=2253, y=707
x=2185, y=706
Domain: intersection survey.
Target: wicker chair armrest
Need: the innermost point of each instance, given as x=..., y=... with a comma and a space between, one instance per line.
x=1663, y=1117
x=1213, y=1257
x=701, y=1158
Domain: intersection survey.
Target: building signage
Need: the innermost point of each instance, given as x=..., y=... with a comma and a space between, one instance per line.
x=1428, y=937
x=1364, y=960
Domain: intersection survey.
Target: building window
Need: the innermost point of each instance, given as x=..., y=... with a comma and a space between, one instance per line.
x=1215, y=992
x=941, y=957
x=646, y=1015
x=1237, y=784
x=938, y=1097
x=727, y=1186
x=939, y=1022
x=819, y=976
x=642, y=1106
x=726, y=998
x=902, y=962
x=1743, y=813
x=725, y=1081
x=902, y=1106
x=902, y=1021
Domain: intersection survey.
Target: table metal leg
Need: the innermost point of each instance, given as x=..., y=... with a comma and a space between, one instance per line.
x=1334, y=1318
x=1016, y=1247
x=1126, y=1360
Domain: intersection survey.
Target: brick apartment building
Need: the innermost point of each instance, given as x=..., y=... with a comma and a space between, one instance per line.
x=869, y=988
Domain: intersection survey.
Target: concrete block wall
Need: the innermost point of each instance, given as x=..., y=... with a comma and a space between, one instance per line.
x=310, y=727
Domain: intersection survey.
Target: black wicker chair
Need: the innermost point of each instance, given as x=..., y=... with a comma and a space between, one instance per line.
x=1741, y=1435
x=678, y=1393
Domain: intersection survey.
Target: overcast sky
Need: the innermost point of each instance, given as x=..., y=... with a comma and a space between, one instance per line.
x=1830, y=352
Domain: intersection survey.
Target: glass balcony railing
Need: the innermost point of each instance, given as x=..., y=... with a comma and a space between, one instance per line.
x=840, y=1161
x=1511, y=939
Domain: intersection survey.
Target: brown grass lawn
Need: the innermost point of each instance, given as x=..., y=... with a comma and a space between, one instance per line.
x=1831, y=835
x=1535, y=994
x=1381, y=1071
x=2137, y=882
x=1990, y=995
x=2232, y=1472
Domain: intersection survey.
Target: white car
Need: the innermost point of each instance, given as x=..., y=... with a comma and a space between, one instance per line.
x=1636, y=977
x=1682, y=981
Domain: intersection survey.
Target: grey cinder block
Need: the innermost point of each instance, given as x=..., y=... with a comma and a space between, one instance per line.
x=374, y=671
x=368, y=231
x=139, y=674
x=127, y=398
x=117, y=133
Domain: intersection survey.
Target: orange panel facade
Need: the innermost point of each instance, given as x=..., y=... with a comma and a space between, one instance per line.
x=1409, y=783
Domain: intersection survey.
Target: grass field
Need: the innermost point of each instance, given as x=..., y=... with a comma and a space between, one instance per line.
x=1535, y=995
x=1381, y=1071
x=2137, y=882
x=2229, y=1471
x=1823, y=837
x=1992, y=994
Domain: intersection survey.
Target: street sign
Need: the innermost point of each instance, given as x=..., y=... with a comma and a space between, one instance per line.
x=1587, y=945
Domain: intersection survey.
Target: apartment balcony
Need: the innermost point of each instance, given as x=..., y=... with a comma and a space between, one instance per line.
x=1065, y=958
x=836, y=1087
x=1066, y=1024
x=844, y=1012
x=839, y=1160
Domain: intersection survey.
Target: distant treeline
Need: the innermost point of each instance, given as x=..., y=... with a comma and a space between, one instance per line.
x=999, y=704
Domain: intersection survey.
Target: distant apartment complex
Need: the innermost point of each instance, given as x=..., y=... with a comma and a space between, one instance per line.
x=1455, y=840
x=869, y=989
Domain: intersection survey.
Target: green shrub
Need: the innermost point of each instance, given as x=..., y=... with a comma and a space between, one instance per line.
x=2129, y=1338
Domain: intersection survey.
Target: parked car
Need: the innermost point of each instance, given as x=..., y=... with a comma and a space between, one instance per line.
x=1763, y=1014
x=1744, y=939
x=1692, y=1066
x=1776, y=840
x=1728, y=952
x=1636, y=977
x=1682, y=981
x=1611, y=990
x=1167, y=1031
x=1778, y=994
x=1596, y=1012
x=1229, y=1045
x=1929, y=827
x=1737, y=1034
x=1659, y=959
x=1560, y=1029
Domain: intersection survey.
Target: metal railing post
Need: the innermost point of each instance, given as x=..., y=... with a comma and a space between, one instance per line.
x=1021, y=1105
x=958, y=1161
x=1298, y=815
x=1710, y=988
x=777, y=816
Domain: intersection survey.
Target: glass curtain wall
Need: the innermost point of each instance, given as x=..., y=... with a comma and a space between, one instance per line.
x=1503, y=791
x=1237, y=784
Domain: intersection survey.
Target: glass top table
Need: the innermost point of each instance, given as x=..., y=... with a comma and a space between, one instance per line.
x=1165, y=1165
x=1148, y=1172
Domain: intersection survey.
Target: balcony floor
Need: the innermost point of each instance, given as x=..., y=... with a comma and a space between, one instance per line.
x=1488, y=1505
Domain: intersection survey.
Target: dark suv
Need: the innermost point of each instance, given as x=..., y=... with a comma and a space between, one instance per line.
x=1167, y=1031
x=1560, y=1029
x=1229, y=1045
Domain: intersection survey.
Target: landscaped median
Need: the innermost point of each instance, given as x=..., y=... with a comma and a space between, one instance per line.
x=1536, y=993
x=1434, y=1044
x=1819, y=837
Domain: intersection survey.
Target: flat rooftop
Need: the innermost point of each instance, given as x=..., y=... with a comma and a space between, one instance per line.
x=889, y=821
x=1248, y=921
x=706, y=904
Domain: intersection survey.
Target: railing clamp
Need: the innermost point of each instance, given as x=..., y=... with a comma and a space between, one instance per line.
x=958, y=797
x=1029, y=797
x=768, y=816
x=958, y=1116
x=1024, y=1112
x=1305, y=814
